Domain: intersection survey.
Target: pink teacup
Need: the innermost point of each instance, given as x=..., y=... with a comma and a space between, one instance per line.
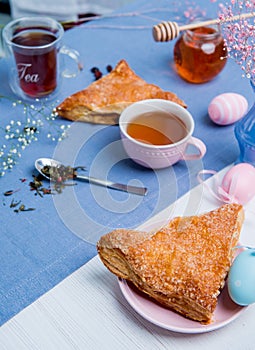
x=157, y=133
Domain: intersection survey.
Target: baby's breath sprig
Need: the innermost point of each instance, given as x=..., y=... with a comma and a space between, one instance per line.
x=240, y=35
x=19, y=134
x=56, y=132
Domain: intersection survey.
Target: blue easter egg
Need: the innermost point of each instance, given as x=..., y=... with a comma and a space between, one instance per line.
x=241, y=278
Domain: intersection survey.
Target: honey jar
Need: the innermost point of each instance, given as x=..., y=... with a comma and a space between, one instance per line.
x=200, y=54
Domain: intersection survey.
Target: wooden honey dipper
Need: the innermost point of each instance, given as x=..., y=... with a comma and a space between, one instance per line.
x=167, y=31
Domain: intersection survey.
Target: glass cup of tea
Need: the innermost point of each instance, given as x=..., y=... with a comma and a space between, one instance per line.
x=34, y=54
x=158, y=133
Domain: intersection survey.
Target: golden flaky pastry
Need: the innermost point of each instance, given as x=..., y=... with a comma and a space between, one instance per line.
x=183, y=265
x=103, y=100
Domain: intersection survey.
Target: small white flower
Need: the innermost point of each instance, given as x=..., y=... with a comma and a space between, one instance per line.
x=23, y=133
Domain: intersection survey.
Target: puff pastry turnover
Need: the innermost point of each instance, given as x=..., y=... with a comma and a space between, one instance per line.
x=183, y=265
x=103, y=100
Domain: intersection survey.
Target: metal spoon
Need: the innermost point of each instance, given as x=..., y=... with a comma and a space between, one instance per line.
x=42, y=162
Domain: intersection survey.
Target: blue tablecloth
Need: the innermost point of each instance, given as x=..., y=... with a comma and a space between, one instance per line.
x=40, y=248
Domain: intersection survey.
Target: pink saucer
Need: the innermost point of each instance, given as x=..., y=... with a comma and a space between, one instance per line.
x=226, y=311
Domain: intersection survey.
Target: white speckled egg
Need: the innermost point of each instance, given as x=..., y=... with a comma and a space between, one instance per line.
x=226, y=109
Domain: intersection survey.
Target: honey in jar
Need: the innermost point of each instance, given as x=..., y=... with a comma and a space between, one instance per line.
x=200, y=54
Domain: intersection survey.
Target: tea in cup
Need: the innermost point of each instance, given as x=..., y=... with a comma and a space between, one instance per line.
x=157, y=133
x=33, y=46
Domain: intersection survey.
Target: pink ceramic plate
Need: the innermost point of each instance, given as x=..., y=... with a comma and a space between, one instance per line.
x=226, y=311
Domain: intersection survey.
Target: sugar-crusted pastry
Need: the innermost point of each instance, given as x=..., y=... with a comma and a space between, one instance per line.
x=183, y=265
x=103, y=100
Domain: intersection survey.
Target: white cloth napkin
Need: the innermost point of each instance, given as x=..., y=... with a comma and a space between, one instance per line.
x=63, y=10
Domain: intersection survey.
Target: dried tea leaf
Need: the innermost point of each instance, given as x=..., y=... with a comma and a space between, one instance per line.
x=10, y=192
x=14, y=204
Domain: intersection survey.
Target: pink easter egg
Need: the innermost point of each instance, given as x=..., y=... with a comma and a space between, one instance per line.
x=227, y=108
x=239, y=182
